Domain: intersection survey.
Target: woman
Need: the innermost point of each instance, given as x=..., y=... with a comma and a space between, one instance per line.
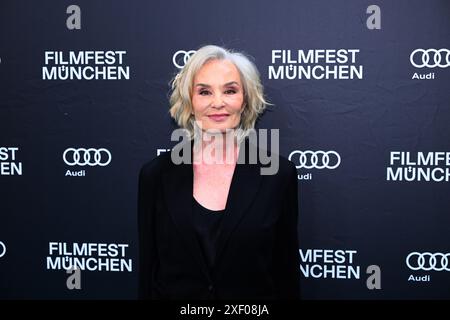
x=214, y=227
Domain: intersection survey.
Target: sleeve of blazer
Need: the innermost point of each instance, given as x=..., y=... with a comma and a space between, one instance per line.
x=147, y=251
x=287, y=272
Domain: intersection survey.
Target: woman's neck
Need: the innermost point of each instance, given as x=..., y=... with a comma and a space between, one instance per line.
x=217, y=148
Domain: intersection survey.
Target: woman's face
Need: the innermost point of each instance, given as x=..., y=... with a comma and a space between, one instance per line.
x=218, y=95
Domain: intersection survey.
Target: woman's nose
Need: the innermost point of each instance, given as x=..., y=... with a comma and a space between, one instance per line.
x=217, y=101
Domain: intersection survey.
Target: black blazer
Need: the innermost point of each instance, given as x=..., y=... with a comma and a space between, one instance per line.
x=257, y=255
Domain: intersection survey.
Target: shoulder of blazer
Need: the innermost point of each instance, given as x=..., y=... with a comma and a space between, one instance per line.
x=286, y=167
x=156, y=166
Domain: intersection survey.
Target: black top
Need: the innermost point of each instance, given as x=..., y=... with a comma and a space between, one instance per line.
x=207, y=228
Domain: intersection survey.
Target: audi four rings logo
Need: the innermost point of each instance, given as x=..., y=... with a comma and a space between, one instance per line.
x=87, y=157
x=181, y=57
x=315, y=159
x=2, y=249
x=430, y=58
x=428, y=261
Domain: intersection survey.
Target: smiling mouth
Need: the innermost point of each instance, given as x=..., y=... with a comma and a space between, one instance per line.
x=218, y=117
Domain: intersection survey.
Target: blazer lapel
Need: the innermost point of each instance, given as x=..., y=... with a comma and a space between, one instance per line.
x=244, y=186
x=178, y=192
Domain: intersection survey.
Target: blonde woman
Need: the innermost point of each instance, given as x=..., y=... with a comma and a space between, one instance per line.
x=215, y=227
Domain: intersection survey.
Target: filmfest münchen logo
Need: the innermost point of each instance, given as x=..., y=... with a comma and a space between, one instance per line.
x=328, y=263
x=85, y=157
x=319, y=159
x=418, y=166
x=9, y=165
x=426, y=59
x=85, y=65
x=88, y=256
x=317, y=64
x=337, y=264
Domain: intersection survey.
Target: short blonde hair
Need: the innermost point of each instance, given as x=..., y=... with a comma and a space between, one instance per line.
x=181, y=96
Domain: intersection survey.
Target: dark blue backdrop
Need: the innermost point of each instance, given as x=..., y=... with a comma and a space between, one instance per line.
x=362, y=206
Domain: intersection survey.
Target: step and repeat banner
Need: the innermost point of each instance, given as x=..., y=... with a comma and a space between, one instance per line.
x=360, y=93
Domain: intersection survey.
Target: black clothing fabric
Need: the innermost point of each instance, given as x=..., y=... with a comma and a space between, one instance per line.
x=207, y=228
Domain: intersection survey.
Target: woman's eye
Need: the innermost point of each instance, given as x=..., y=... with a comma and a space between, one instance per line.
x=203, y=92
x=231, y=91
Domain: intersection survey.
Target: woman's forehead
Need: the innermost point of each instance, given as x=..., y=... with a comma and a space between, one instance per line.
x=218, y=71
